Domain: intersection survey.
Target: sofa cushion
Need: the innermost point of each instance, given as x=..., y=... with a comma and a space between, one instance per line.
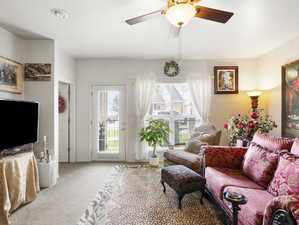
x=295, y=147
x=286, y=177
x=187, y=159
x=194, y=145
x=224, y=156
x=260, y=164
x=272, y=143
x=219, y=178
x=251, y=213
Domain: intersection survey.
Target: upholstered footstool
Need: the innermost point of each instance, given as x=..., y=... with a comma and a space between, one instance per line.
x=183, y=181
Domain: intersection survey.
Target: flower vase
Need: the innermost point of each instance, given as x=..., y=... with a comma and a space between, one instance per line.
x=239, y=143
x=242, y=143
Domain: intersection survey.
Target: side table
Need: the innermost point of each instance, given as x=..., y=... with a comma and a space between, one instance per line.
x=236, y=200
x=47, y=174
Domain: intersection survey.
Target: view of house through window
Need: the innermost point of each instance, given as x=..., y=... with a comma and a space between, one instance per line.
x=172, y=103
x=108, y=121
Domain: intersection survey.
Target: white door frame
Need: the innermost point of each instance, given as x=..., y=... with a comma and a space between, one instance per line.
x=95, y=155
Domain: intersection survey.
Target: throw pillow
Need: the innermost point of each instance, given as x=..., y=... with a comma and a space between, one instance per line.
x=194, y=145
x=295, y=147
x=259, y=164
x=286, y=177
x=272, y=143
x=198, y=134
x=208, y=138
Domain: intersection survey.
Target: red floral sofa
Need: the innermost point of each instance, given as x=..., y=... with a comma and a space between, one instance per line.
x=267, y=173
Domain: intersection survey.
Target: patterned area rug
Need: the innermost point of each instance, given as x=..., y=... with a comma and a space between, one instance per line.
x=134, y=196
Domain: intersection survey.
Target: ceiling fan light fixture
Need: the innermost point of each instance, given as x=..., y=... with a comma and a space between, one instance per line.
x=180, y=14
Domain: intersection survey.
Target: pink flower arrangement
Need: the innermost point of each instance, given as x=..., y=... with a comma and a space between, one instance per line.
x=244, y=127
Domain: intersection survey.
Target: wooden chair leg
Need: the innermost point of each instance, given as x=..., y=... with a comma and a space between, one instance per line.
x=180, y=201
x=164, y=188
x=202, y=195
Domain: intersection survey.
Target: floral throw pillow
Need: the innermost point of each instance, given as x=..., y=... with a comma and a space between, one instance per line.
x=260, y=164
x=286, y=177
x=272, y=143
x=295, y=147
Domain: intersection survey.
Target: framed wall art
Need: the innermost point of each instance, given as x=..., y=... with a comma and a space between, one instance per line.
x=11, y=76
x=37, y=72
x=226, y=80
x=290, y=100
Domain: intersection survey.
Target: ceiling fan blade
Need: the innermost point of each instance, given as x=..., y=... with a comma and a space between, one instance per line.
x=174, y=32
x=213, y=14
x=143, y=18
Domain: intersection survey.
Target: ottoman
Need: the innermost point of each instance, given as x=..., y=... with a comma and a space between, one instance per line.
x=183, y=181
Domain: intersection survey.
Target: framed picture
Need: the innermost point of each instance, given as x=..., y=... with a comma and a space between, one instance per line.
x=290, y=100
x=226, y=80
x=37, y=72
x=11, y=76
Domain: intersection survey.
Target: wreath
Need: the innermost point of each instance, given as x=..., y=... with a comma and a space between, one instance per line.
x=171, y=69
x=62, y=104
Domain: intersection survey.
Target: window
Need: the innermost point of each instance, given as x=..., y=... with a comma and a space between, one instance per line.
x=172, y=103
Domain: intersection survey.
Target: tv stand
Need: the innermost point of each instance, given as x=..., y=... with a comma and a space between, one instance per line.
x=24, y=189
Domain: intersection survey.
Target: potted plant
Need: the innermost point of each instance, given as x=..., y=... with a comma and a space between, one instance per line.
x=241, y=129
x=155, y=134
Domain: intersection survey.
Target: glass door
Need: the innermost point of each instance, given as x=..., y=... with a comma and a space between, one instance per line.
x=108, y=123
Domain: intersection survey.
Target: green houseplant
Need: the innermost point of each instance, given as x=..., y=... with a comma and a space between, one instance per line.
x=155, y=134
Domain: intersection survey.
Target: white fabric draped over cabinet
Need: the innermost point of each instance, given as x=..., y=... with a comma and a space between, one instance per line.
x=200, y=86
x=144, y=88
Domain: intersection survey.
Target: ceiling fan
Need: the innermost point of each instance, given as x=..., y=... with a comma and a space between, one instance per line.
x=180, y=12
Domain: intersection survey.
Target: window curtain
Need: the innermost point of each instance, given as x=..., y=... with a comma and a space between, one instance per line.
x=144, y=88
x=200, y=86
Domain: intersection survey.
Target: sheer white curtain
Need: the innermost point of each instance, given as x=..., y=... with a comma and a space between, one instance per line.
x=144, y=88
x=200, y=86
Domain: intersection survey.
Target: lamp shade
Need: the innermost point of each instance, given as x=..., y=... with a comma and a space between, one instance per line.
x=180, y=14
x=254, y=93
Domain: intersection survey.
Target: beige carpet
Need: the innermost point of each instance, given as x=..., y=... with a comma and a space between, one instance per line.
x=134, y=197
x=65, y=203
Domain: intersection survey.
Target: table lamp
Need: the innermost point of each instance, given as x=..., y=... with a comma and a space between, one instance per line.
x=254, y=95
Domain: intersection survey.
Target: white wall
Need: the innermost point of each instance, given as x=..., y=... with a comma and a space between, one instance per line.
x=269, y=69
x=121, y=71
x=41, y=51
x=45, y=92
x=65, y=72
x=64, y=65
x=32, y=51
x=11, y=47
x=116, y=71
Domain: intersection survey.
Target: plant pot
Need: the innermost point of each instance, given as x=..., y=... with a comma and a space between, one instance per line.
x=242, y=143
x=154, y=161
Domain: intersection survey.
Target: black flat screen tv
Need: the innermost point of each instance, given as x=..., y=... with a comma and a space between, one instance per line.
x=18, y=123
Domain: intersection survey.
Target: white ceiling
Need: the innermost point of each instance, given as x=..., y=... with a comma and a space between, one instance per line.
x=96, y=28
